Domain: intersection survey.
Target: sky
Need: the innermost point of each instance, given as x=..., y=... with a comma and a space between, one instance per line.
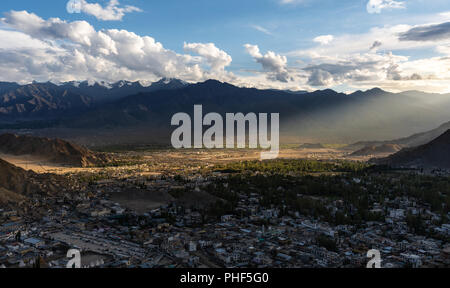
x=344, y=45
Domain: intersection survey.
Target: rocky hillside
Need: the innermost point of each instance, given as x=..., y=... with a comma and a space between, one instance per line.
x=18, y=185
x=15, y=179
x=52, y=150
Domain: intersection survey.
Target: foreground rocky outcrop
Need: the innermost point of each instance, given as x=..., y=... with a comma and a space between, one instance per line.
x=52, y=150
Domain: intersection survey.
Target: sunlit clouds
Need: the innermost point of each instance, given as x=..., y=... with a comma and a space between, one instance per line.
x=397, y=57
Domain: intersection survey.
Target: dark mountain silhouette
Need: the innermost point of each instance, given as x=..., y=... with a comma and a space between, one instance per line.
x=435, y=154
x=411, y=141
x=370, y=93
x=324, y=115
x=51, y=150
x=376, y=150
x=156, y=108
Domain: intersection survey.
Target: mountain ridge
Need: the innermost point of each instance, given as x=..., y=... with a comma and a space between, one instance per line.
x=435, y=154
x=318, y=116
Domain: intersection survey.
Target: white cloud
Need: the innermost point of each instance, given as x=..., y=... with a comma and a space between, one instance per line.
x=324, y=39
x=363, y=61
x=274, y=64
x=347, y=44
x=18, y=40
x=387, y=71
x=445, y=14
x=109, y=13
x=216, y=58
x=443, y=49
x=62, y=51
x=352, y=69
x=57, y=50
x=376, y=6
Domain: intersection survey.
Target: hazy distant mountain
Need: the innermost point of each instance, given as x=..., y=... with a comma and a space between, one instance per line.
x=312, y=146
x=377, y=150
x=423, y=138
x=51, y=150
x=411, y=141
x=435, y=154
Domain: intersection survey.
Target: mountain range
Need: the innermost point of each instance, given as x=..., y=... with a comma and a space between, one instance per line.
x=43, y=101
x=324, y=116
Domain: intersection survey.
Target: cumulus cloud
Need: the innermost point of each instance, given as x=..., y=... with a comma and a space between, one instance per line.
x=217, y=59
x=52, y=49
x=388, y=71
x=274, y=64
x=77, y=51
x=324, y=39
x=320, y=77
x=376, y=6
x=346, y=44
x=371, y=69
x=112, y=11
x=394, y=73
x=354, y=60
x=434, y=32
x=352, y=68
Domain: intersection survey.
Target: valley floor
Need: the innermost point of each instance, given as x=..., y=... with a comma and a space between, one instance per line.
x=225, y=208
